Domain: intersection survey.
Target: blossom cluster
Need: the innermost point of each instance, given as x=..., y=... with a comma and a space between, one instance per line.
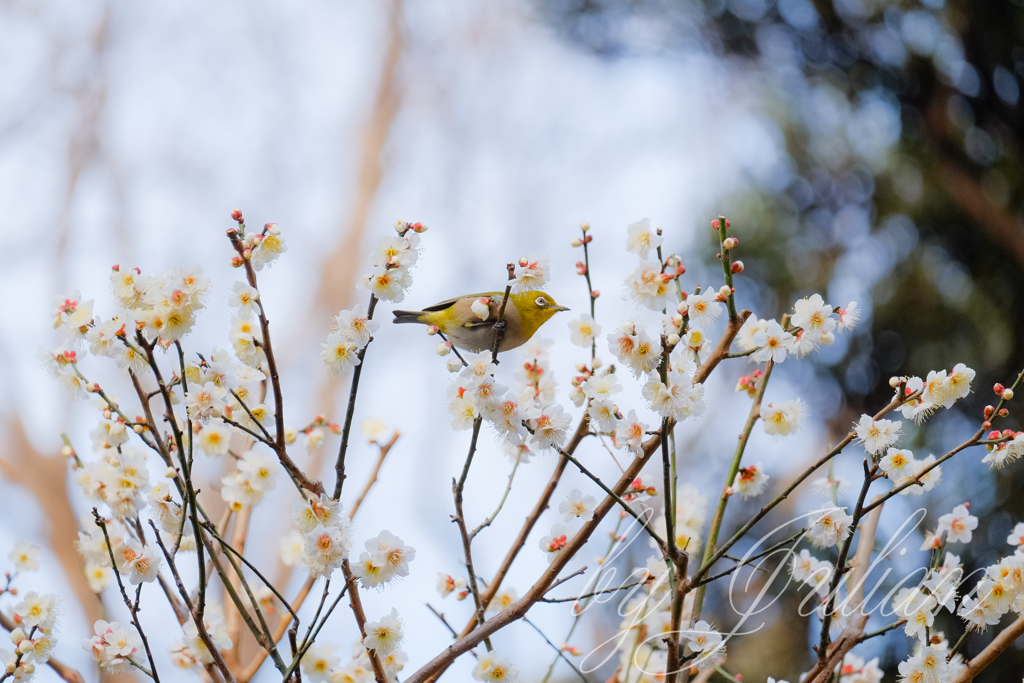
x=321, y=663
x=33, y=619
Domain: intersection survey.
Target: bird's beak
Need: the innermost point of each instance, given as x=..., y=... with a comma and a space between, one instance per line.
x=561, y=308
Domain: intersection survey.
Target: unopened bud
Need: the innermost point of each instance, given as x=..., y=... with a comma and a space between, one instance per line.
x=728, y=491
x=594, y=294
x=581, y=268
x=25, y=646
x=107, y=413
x=724, y=291
x=680, y=271
x=729, y=243
x=584, y=226
x=247, y=253
x=256, y=238
x=444, y=348
x=672, y=339
x=138, y=429
x=894, y=381
x=598, y=363
x=92, y=387
x=1007, y=394
x=715, y=225
x=236, y=215
x=1003, y=412
x=67, y=451
x=681, y=308
x=272, y=229
x=524, y=262
x=334, y=427
x=737, y=267
x=418, y=227
x=576, y=242
x=728, y=224
x=989, y=412
x=433, y=329
x=986, y=425
x=17, y=635
x=170, y=473
x=999, y=389
x=581, y=367
x=28, y=667
x=236, y=261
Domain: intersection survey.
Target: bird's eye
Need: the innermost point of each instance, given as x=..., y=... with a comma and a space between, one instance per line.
x=541, y=301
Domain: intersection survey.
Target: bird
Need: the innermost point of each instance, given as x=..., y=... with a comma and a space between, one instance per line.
x=464, y=328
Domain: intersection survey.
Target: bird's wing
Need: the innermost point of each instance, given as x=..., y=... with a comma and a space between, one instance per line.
x=448, y=303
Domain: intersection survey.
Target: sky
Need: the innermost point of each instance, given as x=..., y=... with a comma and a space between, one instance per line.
x=129, y=132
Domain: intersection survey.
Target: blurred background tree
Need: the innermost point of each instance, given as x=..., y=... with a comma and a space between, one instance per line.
x=902, y=191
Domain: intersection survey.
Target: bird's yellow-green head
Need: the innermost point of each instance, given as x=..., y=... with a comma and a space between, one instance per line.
x=535, y=308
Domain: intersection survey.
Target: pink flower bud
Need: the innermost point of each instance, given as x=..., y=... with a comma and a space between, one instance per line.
x=334, y=427
x=737, y=267
x=247, y=253
x=524, y=262
x=999, y=389
x=444, y=348
x=256, y=238
x=236, y=261
x=116, y=268
x=715, y=225
x=728, y=491
x=680, y=270
x=1003, y=412
x=728, y=224
x=236, y=215
x=93, y=388
x=594, y=294
x=433, y=329
x=581, y=268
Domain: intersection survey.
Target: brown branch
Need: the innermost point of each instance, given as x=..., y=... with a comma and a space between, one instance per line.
x=998, y=645
x=384, y=450
x=360, y=615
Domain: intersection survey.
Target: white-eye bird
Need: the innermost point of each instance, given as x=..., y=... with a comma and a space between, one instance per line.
x=468, y=321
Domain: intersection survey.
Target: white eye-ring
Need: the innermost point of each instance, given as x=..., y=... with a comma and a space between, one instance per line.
x=541, y=301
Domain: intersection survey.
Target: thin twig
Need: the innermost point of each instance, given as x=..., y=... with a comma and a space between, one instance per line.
x=133, y=610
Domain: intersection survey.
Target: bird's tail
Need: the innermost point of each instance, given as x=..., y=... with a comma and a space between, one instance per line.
x=407, y=316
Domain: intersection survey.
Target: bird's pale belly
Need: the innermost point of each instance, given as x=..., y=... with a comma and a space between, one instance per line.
x=479, y=339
